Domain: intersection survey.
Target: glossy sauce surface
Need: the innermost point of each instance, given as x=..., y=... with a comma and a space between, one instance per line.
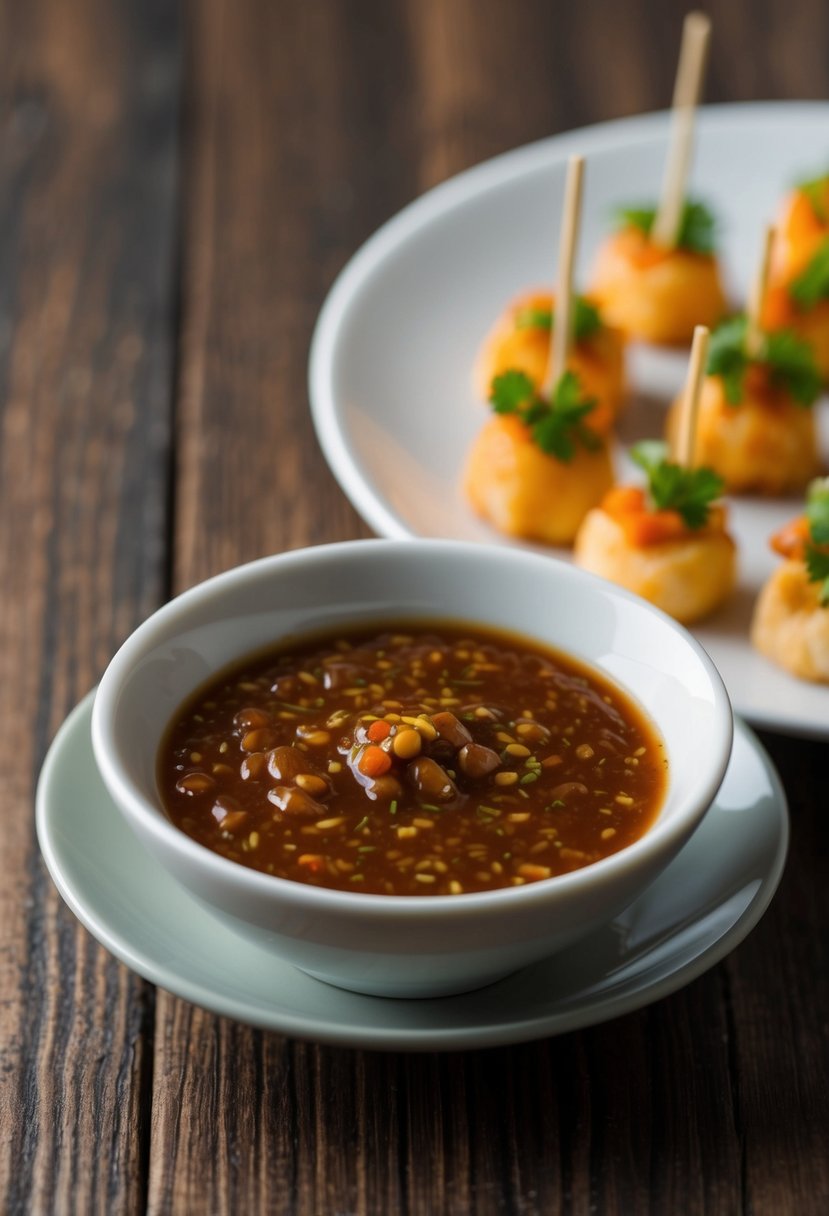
x=433, y=759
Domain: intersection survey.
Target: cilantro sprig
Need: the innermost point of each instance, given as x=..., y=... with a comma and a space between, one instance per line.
x=697, y=227
x=557, y=426
x=812, y=284
x=815, y=190
x=788, y=358
x=674, y=487
x=817, y=558
x=586, y=322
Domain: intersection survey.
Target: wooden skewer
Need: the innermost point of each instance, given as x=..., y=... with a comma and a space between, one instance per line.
x=754, y=311
x=687, y=430
x=562, y=336
x=696, y=34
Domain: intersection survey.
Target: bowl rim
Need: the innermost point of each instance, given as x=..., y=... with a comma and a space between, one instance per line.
x=664, y=837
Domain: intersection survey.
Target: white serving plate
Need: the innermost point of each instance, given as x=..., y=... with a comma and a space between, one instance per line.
x=710, y=897
x=390, y=376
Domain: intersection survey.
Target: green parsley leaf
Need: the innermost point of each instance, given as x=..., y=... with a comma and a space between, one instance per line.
x=815, y=191
x=557, y=426
x=817, y=510
x=534, y=318
x=673, y=487
x=812, y=284
x=697, y=227
x=587, y=320
x=510, y=391
x=727, y=357
x=789, y=359
x=817, y=566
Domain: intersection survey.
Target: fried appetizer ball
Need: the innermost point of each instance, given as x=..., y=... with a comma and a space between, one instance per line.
x=685, y=568
x=536, y=468
x=798, y=294
x=654, y=292
x=790, y=625
x=520, y=340
x=755, y=425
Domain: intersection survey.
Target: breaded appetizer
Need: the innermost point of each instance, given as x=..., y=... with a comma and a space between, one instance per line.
x=520, y=340
x=666, y=541
x=537, y=467
x=756, y=427
x=790, y=625
x=798, y=295
x=659, y=292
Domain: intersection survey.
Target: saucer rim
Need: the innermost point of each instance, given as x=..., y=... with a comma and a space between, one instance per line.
x=441, y=1038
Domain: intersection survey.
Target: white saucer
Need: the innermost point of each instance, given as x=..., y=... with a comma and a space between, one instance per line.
x=712, y=895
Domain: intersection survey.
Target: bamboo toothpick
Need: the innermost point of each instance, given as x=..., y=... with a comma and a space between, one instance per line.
x=696, y=34
x=562, y=336
x=687, y=430
x=754, y=310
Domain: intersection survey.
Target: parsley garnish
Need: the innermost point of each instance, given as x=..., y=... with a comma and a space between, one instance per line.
x=587, y=320
x=557, y=425
x=673, y=487
x=812, y=284
x=697, y=228
x=817, y=559
x=788, y=358
x=815, y=191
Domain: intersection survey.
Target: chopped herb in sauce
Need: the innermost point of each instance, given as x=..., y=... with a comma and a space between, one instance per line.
x=405, y=760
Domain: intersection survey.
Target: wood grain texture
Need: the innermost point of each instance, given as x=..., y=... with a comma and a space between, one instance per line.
x=304, y=126
x=86, y=230
x=289, y=167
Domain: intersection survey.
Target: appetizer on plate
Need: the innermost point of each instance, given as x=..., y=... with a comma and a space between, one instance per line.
x=659, y=290
x=657, y=276
x=537, y=466
x=798, y=295
x=667, y=540
x=756, y=427
x=520, y=340
x=791, y=618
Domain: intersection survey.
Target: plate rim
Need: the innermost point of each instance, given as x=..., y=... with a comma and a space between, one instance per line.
x=444, y=197
x=442, y=1038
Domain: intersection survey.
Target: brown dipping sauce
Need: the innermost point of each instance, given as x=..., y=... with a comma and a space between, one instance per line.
x=412, y=760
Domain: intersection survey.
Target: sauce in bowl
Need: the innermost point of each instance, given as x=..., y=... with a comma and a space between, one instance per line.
x=414, y=759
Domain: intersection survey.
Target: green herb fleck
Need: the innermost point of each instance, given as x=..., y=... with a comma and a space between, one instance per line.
x=815, y=191
x=812, y=284
x=697, y=227
x=528, y=778
x=673, y=487
x=393, y=807
x=297, y=709
x=364, y=823
x=430, y=806
x=557, y=425
x=586, y=321
x=817, y=513
x=788, y=358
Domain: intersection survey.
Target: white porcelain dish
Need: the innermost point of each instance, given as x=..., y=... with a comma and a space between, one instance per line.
x=696, y=912
x=390, y=376
x=397, y=945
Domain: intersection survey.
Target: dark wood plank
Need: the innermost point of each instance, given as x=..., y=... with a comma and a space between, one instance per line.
x=307, y=126
x=87, y=137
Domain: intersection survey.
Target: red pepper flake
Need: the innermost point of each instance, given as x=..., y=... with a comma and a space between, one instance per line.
x=311, y=861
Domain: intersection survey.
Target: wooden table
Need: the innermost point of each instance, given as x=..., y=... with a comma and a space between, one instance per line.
x=179, y=190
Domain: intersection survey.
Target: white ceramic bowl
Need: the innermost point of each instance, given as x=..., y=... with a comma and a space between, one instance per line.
x=400, y=945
